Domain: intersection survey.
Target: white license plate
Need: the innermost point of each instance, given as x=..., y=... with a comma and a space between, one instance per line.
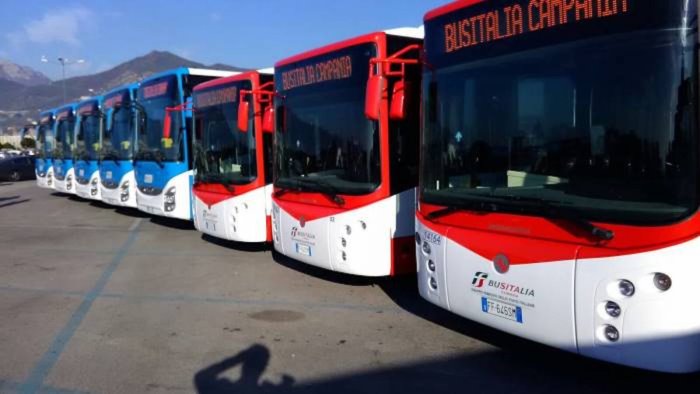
x=82, y=172
x=148, y=178
x=304, y=249
x=108, y=175
x=501, y=309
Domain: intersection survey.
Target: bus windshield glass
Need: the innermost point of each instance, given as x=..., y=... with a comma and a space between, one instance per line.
x=223, y=153
x=88, y=141
x=154, y=97
x=323, y=138
x=118, y=141
x=45, y=140
x=608, y=130
x=65, y=138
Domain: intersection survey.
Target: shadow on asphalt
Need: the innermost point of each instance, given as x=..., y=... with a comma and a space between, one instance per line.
x=130, y=212
x=240, y=246
x=321, y=273
x=16, y=202
x=495, y=371
x=177, y=224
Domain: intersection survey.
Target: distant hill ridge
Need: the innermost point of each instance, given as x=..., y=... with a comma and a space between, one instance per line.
x=33, y=96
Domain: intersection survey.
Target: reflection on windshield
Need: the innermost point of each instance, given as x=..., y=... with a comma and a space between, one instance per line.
x=88, y=141
x=45, y=140
x=608, y=129
x=154, y=98
x=223, y=154
x=65, y=138
x=118, y=141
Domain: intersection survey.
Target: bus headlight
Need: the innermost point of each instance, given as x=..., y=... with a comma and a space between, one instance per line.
x=662, y=281
x=169, y=200
x=426, y=248
x=418, y=240
x=626, y=288
x=124, y=192
x=93, y=187
x=613, y=309
x=611, y=333
x=69, y=182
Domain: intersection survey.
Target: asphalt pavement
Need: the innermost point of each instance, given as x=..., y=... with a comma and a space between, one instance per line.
x=95, y=299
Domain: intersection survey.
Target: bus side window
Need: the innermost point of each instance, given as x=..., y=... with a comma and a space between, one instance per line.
x=267, y=156
x=404, y=146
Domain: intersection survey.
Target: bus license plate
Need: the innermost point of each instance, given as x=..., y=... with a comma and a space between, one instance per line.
x=501, y=309
x=304, y=249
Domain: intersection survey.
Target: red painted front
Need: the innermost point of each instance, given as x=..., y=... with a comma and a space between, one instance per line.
x=483, y=234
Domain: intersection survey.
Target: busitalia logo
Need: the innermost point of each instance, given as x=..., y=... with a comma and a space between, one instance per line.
x=479, y=279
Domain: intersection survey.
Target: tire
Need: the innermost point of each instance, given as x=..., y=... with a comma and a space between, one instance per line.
x=14, y=176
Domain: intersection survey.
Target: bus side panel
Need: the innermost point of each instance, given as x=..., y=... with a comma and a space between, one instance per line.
x=657, y=328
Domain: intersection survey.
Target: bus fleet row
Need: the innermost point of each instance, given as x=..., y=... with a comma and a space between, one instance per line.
x=555, y=197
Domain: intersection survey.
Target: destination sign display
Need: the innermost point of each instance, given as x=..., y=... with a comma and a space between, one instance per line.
x=114, y=99
x=66, y=113
x=46, y=119
x=164, y=86
x=87, y=108
x=216, y=97
x=494, y=27
x=327, y=70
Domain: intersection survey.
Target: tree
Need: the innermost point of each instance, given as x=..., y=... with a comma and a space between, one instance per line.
x=28, y=142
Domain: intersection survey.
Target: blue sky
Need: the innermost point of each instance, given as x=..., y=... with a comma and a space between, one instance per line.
x=246, y=33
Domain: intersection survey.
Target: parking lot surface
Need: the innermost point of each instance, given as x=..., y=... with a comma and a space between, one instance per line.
x=95, y=299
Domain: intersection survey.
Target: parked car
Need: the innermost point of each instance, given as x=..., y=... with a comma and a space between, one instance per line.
x=17, y=168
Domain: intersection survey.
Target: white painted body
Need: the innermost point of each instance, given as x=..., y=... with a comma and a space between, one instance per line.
x=368, y=247
x=91, y=190
x=154, y=204
x=64, y=186
x=240, y=218
x=658, y=330
x=114, y=196
x=47, y=180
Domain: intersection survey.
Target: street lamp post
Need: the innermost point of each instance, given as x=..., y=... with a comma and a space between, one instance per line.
x=63, y=62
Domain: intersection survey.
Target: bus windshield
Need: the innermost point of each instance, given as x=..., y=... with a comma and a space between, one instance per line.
x=608, y=130
x=65, y=138
x=223, y=154
x=45, y=140
x=118, y=141
x=88, y=141
x=323, y=135
x=154, y=98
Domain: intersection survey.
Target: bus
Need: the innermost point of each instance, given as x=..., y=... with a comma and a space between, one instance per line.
x=558, y=196
x=88, y=143
x=162, y=162
x=233, y=156
x=346, y=154
x=64, y=135
x=118, y=184
x=44, y=147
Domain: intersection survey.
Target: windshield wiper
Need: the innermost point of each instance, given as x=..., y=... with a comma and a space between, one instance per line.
x=550, y=210
x=471, y=205
x=324, y=188
x=111, y=154
x=158, y=157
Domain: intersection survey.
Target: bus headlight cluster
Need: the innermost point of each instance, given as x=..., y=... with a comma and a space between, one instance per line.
x=69, y=182
x=426, y=247
x=124, y=191
x=169, y=199
x=93, y=187
x=662, y=281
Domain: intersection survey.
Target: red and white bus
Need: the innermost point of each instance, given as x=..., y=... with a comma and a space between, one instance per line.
x=559, y=180
x=233, y=156
x=346, y=147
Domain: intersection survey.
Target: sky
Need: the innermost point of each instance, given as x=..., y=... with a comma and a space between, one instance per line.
x=245, y=33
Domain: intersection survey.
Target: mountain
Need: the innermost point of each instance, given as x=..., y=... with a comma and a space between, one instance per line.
x=21, y=74
x=17, y=97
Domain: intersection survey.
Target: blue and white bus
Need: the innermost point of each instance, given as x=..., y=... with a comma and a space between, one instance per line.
x=88, y=141
x=45, y=146
x=118, y=184
x=163, y=161
x=63, y=171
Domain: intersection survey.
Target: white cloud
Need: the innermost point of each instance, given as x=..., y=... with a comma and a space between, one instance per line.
x=62, y=26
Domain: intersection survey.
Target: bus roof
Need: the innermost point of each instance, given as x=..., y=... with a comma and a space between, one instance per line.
x=191, y=71
x=411, y=32
x=447, y=8
x=224, y=80
x=130, y=86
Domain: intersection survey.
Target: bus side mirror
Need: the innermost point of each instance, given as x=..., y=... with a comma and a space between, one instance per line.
x=268, y=125
x=243, y=110
x=398, y=100
x=373, y=97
